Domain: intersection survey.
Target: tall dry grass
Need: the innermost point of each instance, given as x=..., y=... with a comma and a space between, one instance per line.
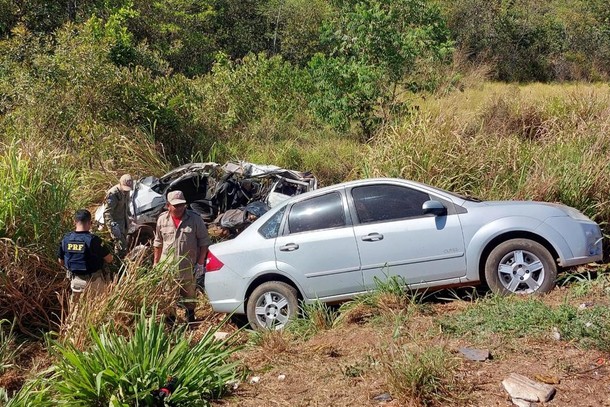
x=33, y=289
x=539, y=142
x=122, y=298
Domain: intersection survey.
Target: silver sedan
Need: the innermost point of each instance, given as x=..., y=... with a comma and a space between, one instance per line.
x=336, y=242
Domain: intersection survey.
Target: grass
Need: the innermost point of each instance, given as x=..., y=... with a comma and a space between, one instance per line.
x=541, y=142
x=9, y=349
x=587, y=282
x=121, y=300
x=313, y=318
x=421, y=375
x=512, y=317
x=35, y=193
x=390, y=298
x=31, y=288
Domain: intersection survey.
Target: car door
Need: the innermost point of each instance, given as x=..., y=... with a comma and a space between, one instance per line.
x=395, y=237
x=317, y=247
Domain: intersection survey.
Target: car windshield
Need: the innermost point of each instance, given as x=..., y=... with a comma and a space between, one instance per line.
x=455, y=194
x=466, y=197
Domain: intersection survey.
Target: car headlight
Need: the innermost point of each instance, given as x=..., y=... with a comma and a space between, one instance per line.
x=594, y=241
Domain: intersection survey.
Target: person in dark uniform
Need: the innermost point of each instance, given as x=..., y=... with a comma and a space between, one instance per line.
x=83, y=255
x=116, y=213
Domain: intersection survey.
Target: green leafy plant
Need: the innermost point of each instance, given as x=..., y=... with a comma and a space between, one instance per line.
x=125, y=370
x=361, y=76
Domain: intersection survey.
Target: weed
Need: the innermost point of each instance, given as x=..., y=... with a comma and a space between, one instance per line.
x=8, y=347
x=354, y=370
x=314, y=317
x=273, y=341
x=425, y=376
x=583, y=283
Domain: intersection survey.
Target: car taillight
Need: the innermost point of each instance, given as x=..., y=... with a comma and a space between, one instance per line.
x=212, y=263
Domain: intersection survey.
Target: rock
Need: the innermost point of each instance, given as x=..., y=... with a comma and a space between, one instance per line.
x=255, y=379
x=521, y=403
x=522, y=388
x=281, y=377
x=233, y=384
x=221, y=336
x=585, y=305
x=383, y=397
x=478, y=355
x=555, y=334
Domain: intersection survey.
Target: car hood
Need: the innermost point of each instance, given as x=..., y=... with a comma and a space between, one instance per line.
x=557, y=209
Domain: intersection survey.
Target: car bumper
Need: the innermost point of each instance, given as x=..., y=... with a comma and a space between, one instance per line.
x=584, y=239
x=223, y=292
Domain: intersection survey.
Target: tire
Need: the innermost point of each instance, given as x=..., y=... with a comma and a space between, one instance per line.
x=272, y=305
x=520, y=266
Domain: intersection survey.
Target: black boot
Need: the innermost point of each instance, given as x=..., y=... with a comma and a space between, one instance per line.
x=190, y=316
x=170, y=320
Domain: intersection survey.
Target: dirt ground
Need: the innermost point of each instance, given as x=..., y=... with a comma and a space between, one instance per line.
x=341, y=366
x=338, y=368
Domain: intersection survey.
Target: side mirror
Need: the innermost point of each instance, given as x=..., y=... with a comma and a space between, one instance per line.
x=434, y=207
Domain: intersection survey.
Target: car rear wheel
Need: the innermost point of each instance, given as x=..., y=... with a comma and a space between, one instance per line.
x=272, y=305
x=520, y=266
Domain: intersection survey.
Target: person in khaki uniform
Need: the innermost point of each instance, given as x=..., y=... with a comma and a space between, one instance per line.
x=116, y=213
x=182, y=234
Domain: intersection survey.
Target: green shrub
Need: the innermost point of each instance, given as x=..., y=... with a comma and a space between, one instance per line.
x=528, y=40
x=125, y=370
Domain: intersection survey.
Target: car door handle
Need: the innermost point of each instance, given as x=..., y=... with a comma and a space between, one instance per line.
x=289, y=247
x=372, y=237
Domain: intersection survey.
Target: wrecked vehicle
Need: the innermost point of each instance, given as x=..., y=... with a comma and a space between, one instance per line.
x=210, y=189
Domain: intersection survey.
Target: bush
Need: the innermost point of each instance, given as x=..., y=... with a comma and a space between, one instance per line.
x=528, y=40
x=123, y=370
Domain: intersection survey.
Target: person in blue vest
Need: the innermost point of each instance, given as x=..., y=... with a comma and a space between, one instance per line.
x=83, y=255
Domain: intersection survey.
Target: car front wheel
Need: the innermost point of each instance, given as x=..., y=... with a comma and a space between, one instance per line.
x=520, y=266
x=271, y=305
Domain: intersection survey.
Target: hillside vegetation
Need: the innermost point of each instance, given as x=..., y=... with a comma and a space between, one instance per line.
x=501, y=100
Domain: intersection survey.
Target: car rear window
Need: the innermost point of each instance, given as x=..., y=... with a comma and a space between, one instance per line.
x=271, y=228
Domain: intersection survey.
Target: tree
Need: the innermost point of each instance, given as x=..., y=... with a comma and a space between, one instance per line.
x=375, y=46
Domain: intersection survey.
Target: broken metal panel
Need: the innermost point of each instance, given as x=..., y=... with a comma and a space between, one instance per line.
x=215, y=188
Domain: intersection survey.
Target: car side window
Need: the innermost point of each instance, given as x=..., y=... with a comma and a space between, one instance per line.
x=380, y=203
x=271, y=228
x=321, y=212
